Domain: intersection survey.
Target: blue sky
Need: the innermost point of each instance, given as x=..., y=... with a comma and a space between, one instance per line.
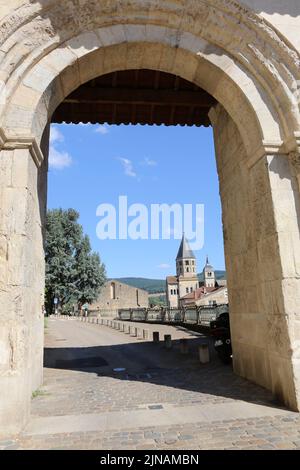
x=92, y=164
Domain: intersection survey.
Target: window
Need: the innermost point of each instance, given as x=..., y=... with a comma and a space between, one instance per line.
x=187, y=270
x=113, y=291
x=137, y=297
x=187, y=290
x=191, y=289
x=187, y=263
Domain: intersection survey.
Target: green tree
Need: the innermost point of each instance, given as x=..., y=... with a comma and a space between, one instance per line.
x=74, y=274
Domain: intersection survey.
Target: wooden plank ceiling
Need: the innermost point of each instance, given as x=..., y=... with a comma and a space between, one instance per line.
x=137, y=97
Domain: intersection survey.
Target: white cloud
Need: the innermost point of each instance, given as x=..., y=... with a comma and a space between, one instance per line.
x=56, y=135
x=102, y=129
x=128, y=167
x=59, y=159
x=164, y=266
x=148, y=162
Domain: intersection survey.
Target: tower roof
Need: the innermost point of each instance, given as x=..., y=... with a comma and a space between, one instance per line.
x=185, y=250
x=208, y=266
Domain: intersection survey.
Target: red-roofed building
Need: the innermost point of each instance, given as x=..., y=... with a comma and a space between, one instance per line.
x=205, y=296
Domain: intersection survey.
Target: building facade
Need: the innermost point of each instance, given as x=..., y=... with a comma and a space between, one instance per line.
x=185, y=289
x=209, y=296
x=115, y=295
x=186, y=280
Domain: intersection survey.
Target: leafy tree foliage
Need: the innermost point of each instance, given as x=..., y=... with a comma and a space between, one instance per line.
x=74, y=274
x=160, y=301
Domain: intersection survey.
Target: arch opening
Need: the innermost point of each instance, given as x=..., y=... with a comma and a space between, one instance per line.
x=258, y=182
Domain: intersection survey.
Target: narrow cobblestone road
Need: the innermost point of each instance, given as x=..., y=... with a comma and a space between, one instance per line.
x=161, y=400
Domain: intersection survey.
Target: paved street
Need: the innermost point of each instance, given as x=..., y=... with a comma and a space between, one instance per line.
x=159, y=399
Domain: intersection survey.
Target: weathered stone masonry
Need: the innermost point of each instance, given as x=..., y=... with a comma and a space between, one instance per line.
x=246, y=55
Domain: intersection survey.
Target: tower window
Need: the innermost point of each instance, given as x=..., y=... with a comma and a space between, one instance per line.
x=187, y=263
x=187, y=290
x=187, y=270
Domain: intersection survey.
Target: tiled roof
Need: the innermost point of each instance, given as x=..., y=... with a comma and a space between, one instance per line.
x=172, y=280
x=185, y=250
x=200, y=292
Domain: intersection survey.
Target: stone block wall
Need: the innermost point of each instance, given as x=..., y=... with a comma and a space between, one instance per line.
x=120, y=296
x=261, y=236
x=21, y=283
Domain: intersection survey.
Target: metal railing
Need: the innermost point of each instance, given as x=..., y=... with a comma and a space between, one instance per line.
x=191, y=315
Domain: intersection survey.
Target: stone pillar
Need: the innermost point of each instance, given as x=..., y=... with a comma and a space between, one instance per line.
x=168, y=341
x=204, y=353
x=145, y=334
x=155, y=336
x=184, y=349
x=261, y=219
x=23, y=186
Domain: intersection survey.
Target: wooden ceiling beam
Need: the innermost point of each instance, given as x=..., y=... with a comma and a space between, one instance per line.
x=140, y=97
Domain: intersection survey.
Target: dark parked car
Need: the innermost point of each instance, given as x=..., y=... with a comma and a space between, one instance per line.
x=220, y=330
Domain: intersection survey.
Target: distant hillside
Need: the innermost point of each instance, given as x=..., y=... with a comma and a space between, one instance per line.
x=158, y=285
x=150, y=285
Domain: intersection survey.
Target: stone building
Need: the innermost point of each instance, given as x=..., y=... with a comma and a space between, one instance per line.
x=115, y=294
x=209, y=292
x=185, y=289
x=205, y=296
x=239, y=66
x=186, y=280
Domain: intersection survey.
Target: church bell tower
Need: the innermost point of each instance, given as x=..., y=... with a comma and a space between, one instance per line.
x=209, y=275
x=186, y=265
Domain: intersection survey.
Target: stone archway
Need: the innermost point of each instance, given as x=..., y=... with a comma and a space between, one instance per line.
x=49, y=50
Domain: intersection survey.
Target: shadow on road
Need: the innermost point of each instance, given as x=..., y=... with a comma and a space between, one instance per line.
x=152, y=363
